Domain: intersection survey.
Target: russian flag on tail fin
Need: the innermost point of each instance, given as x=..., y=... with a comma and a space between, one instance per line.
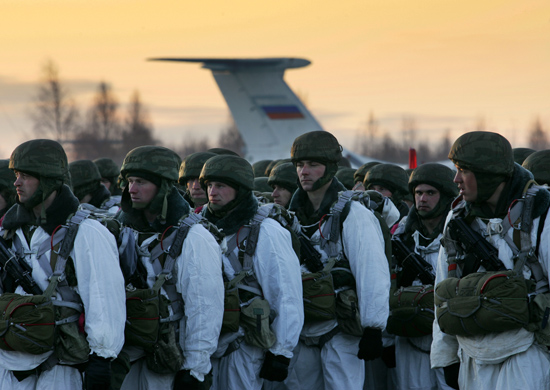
x=283, y=112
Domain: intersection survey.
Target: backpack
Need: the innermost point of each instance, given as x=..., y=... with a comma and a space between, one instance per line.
x=37, y=323
x=497, y=301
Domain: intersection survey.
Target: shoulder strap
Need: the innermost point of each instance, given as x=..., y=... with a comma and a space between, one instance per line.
x=174, y=244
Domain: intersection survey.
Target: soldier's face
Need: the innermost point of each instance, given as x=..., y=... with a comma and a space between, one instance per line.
x=426, y=197
x=309, y=172
x=25, y=185
x=106, y=183
x=141, y=191
x=281, y=195
x=195, y=189
x=467, y=184
x=383, y=190
x=220, y=194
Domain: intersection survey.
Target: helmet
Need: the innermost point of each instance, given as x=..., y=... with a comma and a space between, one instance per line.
x=362, y=171
x=154, y=163
x=391, y=176
x=345, y=176
x=538, y=164
x=436, y=175
x=520, y=154
x=483, y=152
x=260, y=184
x=191, y=166
x=156, y=160
x=107, y=167
x=233, y=170
x=284, y=175
x=7, y=177
x=220, y=151
x=42, y=157
x=316, y=145
x=259, y=167
x=84, y=172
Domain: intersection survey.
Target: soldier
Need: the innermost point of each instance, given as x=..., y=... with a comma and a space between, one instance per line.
x=7, y=190
x=269, y=278
x=360, y=173
x=284, y=181
x=499, y=350
x=345, y=176
x=259, y=167
x=391, y=181
x=88, y=188
x=109, y=174
x=90, y=278
x=154, y=209
x=329, y=354
x=190, y=170
x=520, y=154
x=420, y=232
x=538, y=164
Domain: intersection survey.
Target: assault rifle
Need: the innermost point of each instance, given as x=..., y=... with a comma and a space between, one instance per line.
x=412, y=263
x=19, y=271
x=479, y=252
x=309, y=255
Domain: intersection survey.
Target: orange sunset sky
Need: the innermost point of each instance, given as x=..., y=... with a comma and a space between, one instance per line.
x=445, y=63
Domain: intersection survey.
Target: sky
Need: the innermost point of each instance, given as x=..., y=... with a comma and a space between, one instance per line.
x=446, y=64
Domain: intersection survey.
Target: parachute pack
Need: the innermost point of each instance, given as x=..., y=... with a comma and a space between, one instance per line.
x=484, y=302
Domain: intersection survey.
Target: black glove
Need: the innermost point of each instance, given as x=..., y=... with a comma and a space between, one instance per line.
x=451, y=375
x=388, y=356
x=98, y=373
x=185, y=381
x=370, y=345
x=275, y=367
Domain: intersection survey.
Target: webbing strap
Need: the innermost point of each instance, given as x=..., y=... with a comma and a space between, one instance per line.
x=248, y=234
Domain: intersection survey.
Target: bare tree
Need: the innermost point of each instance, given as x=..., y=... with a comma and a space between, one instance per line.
x=102, y=136
x=137, y=129
x=191, y=145
x=230, y=138
x=54, y=114
x=538, y=139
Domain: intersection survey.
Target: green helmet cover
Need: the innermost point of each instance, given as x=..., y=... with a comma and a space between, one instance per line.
x=191, y=166
x=233, y=170
x=484, y=152
x=390, y=176
x=539, y=165
x=107, y=167
x=317, y=146
x=284, y=175
x=361, y=172
x=520, y=154
x=45, y=159
x=440, y=177
x=345, y=176
x=260, y=184
x=259, y=168
x=157, y=161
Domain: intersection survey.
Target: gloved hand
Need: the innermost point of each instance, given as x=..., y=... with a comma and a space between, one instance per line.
x=275, y=367
x=185, y=381
x=370, y=345
x=451, y=375
x=98, y=373
x=388, y=356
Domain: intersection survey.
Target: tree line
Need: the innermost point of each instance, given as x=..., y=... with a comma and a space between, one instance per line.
x=102, y=130
x=379, y=144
